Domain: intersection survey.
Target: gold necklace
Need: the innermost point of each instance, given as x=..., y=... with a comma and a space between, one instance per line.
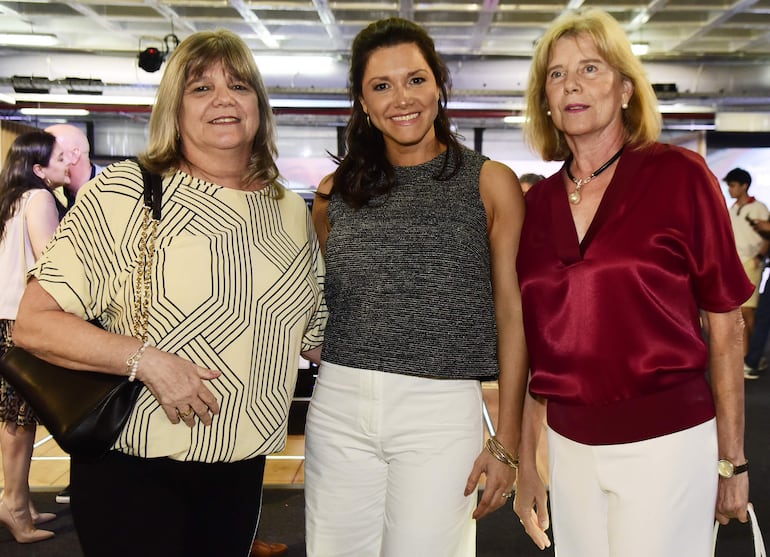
x=575, y=197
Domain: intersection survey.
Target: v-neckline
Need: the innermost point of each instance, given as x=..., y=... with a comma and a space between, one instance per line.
x=569, y=248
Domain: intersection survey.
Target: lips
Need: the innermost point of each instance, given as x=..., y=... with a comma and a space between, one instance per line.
x=575, y=107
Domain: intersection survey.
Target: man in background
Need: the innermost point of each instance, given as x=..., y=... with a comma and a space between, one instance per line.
x=76, y=148
x=752, y=247
x=75, y=145
x=528, y=180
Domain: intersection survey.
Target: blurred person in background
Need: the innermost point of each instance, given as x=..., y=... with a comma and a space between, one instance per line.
x=528, y=180
x=34, y=166
x=76, y=148
x=751, y=245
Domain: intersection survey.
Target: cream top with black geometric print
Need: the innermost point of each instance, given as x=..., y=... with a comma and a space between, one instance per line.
x=237, y=286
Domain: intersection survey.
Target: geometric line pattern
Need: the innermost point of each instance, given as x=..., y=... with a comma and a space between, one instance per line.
x=237, y=286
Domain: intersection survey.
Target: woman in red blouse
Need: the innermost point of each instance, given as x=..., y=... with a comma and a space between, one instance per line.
x=621, y=252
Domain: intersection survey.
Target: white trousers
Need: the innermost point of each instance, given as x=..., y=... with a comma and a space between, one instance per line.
x=387, y=457
x=652, y=498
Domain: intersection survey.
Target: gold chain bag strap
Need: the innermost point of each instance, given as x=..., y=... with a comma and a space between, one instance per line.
x=86, y=411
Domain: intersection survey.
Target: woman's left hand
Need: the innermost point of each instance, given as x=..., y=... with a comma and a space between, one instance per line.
x=499, y=484
x=733, y=498
x=180, y=387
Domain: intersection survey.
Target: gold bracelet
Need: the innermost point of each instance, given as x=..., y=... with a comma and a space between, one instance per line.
x=497, y=450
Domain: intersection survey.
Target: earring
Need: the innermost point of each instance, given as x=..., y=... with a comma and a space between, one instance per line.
x=547, y=112
x=47, y=182
x=624, y=105
x=368, y=121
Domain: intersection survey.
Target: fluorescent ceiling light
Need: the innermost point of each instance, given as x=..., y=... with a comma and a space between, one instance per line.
x=514, y=119
x=128, y=100
x=55, y=111
x=28, y=39
x=640, y=49
x=7, y=99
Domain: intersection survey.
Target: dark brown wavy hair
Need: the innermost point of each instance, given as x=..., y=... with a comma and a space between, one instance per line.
x=17, y=176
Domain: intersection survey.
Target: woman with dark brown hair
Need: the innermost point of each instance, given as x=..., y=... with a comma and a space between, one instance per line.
x=34, y=166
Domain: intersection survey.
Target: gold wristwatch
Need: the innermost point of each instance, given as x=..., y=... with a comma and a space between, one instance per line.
x=727, y=469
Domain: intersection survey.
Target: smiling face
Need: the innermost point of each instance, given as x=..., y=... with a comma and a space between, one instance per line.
x=400, y=95
x=219, y=114
x=585, y=94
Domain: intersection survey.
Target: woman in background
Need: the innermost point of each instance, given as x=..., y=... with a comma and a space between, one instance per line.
x=620, y=251
x=34, y=166
x=420, y=236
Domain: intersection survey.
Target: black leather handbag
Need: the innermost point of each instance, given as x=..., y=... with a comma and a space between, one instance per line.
x=83, y=411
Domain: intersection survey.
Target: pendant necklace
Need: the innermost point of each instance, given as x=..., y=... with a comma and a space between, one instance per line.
x=575, y=197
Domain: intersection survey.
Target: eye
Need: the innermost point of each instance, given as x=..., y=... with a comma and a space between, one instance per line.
x=418, y=80
x=240, y=87
x=380, y=86
x=556, y=74
x=591, y=68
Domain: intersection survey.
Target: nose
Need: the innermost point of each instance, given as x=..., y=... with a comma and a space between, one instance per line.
x=403, y=98
x=223, y=96
x=571, y=83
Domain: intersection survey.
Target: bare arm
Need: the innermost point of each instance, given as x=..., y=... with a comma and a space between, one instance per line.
x=46, y=330
x=726, y=358
x=320, y=215
x=504, y=203
x=41, y=219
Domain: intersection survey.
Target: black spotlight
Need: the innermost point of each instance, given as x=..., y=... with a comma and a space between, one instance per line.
x=151, y=59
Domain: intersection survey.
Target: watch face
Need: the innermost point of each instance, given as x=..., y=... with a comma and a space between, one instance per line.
x=726, y=468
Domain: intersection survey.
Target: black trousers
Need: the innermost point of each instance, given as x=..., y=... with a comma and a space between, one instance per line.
x=125, y=506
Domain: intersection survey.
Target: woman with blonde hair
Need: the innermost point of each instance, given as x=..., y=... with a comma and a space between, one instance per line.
x=645, y=446
x=231, y=296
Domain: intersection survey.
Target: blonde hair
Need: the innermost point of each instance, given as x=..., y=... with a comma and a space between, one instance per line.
x=641, y=119
x=191, y=58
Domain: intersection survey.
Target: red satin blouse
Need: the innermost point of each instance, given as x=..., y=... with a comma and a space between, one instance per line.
x=612, y=323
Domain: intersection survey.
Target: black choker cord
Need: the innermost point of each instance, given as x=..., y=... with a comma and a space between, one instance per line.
x=575, y=196
x=596, y=172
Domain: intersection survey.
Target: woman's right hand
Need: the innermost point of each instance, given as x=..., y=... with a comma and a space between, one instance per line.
x=179, y=385
x=530, y=504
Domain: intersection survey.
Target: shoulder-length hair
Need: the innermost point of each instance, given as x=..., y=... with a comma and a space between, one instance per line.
x=189, y=60
x=641, y=120
x=18, y=176
x=364, y=171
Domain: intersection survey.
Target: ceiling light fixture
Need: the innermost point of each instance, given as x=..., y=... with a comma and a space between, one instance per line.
x=28, y=39
x=55, y=111
x=640, y=49
x=115, y=100
x=151, y=58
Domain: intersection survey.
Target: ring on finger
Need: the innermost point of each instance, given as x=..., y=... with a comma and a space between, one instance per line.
x=506, y=494
x=186, y=414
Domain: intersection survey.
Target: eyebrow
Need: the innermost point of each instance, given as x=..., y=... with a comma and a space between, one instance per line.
x=387, y=78
x=580, y=62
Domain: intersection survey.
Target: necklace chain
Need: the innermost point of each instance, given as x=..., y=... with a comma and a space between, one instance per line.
x=143, y=282
x=575, y=197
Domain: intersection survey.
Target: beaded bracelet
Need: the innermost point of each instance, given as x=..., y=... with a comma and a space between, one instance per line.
x=497, y=450
x=132, y=363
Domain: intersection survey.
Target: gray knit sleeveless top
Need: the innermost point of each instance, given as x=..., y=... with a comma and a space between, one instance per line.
x=408, y=278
